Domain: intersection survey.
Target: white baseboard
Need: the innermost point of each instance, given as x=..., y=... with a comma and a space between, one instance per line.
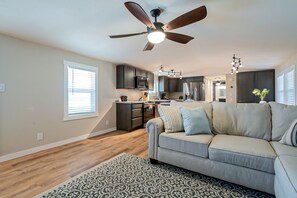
x=53, y=145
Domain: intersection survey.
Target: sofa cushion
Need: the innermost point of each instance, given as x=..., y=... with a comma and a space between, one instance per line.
x=282, y=149
x=282, y=118
x=206, y=106
x=290, y=136
x=194, y=144
x=286, y=176
x=171, y=117
x=243, y=151
x=250, y=120
x=195, y=121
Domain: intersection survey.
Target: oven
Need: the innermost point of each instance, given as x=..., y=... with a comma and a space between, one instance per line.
x=149, y=112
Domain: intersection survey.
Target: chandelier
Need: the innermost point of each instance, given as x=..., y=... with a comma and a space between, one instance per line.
x=170, y=73
x=236, y=64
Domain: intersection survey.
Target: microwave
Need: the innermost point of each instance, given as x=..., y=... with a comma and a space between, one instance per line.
x=141, y=82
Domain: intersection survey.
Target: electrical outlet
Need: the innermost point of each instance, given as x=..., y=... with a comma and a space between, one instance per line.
x=40, y=136
x=106, y=122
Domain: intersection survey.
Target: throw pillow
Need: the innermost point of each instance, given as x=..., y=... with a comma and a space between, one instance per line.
x=171, y=117
x=290, y=136
x=195, y=121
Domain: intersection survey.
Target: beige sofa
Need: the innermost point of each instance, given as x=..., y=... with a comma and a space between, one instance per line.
x=243, y=150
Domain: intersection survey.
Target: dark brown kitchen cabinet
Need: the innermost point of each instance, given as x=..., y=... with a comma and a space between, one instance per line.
x=125, y=77
x=180, y=84
x=163, y=84
x=139, y=72
x=168, y=84
x=151, y=78
x=172, y=86
x=129, y=116
x=248, y=81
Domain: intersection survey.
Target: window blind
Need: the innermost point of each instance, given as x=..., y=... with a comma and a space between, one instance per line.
x=290, y=87
x=81, y=91
x=280, y=88
x=286, y=87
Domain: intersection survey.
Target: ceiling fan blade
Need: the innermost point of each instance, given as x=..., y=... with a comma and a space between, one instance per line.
x=148, y=46
x=126, y=35
x=186, y=19
x=180, y=38
x=139, y=13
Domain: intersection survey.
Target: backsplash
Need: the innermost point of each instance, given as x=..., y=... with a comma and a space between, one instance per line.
x=132, y=94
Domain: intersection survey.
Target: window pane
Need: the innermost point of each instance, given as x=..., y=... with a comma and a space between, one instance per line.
x=290, y=87
x=280, y=89
x=81, y=89
x=81, y=79
x=80, y=103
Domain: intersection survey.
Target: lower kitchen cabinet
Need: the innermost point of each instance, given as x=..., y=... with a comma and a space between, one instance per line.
x=129, y=116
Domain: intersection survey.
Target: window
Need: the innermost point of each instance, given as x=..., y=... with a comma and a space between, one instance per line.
x=80, y=91
x=285, y=83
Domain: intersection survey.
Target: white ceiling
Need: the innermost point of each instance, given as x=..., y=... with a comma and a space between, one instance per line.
x=261, y=32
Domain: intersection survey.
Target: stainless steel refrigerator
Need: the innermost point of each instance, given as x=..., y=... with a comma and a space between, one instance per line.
x=194, y=91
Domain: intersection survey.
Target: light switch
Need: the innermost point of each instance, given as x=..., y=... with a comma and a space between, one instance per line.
x=2, y=87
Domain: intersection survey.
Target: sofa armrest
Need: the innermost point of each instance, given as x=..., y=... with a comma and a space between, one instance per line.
x=154, y=128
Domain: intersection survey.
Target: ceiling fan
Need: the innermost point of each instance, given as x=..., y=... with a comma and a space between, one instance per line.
x=157, y=31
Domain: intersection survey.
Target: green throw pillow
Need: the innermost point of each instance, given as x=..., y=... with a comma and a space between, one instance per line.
x=195, y=121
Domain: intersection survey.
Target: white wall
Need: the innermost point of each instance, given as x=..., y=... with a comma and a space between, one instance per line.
x=33, y=101
x=288, y=63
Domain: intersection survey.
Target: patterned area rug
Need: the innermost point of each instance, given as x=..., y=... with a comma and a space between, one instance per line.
x=131, y=176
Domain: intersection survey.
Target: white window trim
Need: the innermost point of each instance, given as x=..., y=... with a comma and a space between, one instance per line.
x=283, y=72
x=68, y=117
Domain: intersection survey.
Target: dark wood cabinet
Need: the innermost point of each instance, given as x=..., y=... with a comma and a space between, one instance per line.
x=139, y=72
x=167, y=84
x=248, y=81
x=163, y=84
x=125, y=77
x=172, y=84
x=180, y=84
x=129, y=116
x=151, y=82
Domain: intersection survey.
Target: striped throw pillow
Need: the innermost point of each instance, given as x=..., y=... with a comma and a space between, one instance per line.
x=290, y=136
x=171, y=117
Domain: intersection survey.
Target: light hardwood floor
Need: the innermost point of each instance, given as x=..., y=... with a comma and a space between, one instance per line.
x=30, y=175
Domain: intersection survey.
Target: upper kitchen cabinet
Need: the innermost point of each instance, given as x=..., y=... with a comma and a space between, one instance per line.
x=151, y=78
x=248, y=81
x=139, y=72
x=125, y=77
x=173, y=84
x=163, y=84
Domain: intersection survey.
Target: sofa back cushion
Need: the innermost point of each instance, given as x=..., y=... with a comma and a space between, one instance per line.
x=250, y=120
x=282, y=118
x=206, y=106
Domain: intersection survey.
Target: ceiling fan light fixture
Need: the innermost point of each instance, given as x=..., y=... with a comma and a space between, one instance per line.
x=156, y=37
